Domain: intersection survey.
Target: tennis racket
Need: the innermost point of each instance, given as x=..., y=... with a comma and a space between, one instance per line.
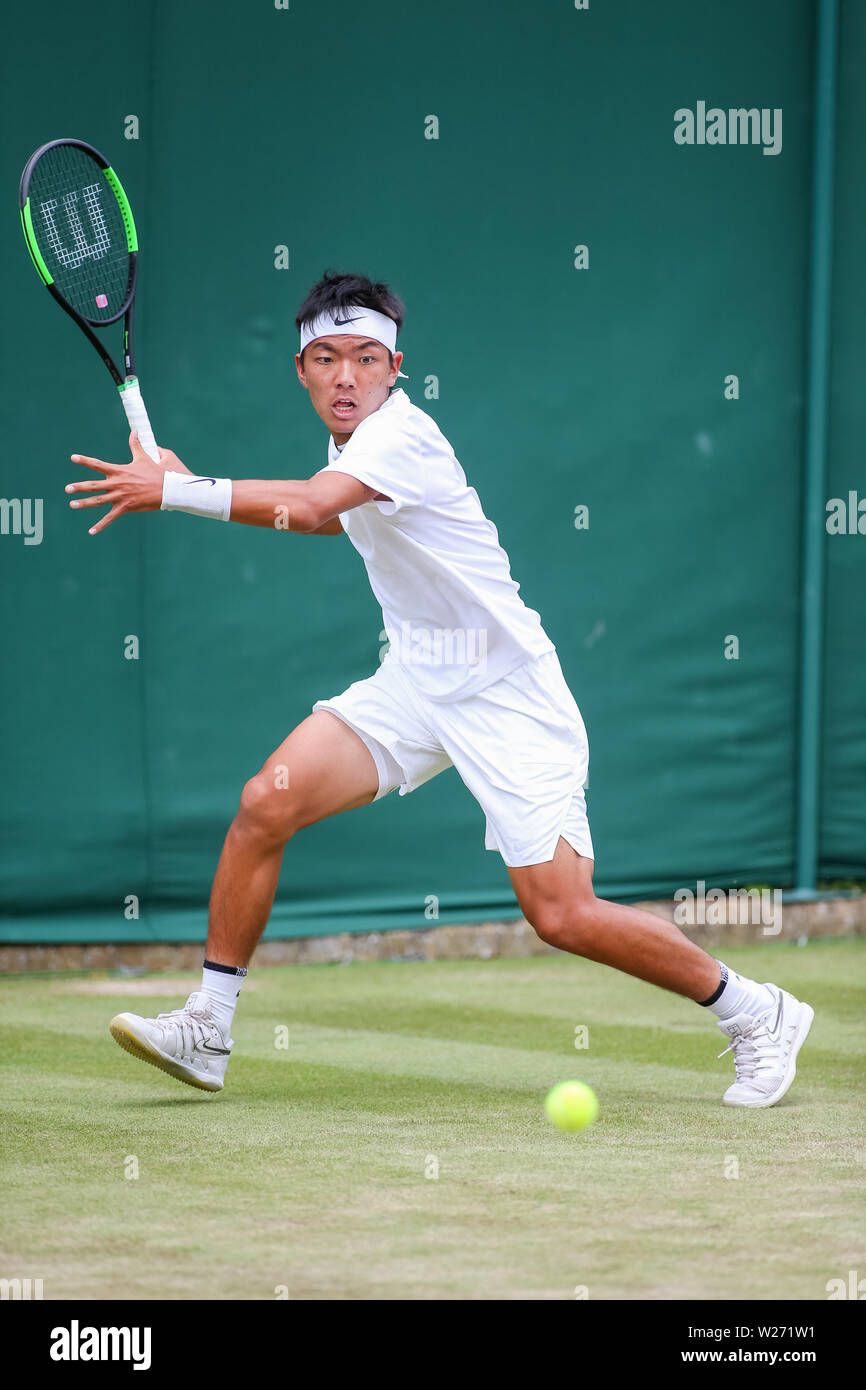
x=80, y=233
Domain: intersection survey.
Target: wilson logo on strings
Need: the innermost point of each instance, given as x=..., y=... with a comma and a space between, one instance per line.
x=81, y=249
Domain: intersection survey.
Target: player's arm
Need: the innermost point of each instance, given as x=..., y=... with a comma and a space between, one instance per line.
x=334, y=527
x=308, y=505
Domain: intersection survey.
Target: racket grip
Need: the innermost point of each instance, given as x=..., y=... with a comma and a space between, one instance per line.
x=130, y=395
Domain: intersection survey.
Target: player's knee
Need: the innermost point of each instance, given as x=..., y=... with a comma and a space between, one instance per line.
x=267, y=810
x=550, y=925
x=567, y=926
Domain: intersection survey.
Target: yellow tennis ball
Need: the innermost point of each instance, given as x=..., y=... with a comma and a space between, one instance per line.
x=571, y=1105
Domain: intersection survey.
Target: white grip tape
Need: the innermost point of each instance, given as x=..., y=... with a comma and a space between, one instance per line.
x=130, y=395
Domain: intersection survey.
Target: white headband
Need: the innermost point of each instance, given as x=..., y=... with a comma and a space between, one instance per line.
x=368, y=323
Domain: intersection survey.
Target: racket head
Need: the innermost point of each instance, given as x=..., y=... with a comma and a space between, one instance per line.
x=79, y=230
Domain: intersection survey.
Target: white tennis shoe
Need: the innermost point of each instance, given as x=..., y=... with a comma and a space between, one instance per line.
x=187, y=1043
x=765, y=1049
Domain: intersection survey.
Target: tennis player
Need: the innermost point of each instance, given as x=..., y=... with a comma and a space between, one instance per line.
x=470, y=680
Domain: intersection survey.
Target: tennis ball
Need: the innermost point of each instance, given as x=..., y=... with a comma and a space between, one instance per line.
x=571, y=1105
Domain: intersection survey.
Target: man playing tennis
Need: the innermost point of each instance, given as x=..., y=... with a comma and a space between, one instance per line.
x=470, y=680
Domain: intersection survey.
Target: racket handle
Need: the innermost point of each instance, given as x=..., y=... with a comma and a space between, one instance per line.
x=130, y=395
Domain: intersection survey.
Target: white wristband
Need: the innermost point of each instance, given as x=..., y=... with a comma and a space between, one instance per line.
x=183, y=492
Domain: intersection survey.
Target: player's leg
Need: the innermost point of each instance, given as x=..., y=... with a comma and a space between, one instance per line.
x=558, y=900
x=521, y=748
x=766, y=1025
x=322, y=768
x=364, y=743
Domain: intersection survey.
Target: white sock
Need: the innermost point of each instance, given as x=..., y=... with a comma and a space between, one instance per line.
x=222, y=985
x=738, y=995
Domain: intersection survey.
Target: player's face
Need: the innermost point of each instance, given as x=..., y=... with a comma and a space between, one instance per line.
x=348, y=377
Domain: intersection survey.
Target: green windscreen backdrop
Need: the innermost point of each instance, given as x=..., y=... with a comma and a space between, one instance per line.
x=609, y=324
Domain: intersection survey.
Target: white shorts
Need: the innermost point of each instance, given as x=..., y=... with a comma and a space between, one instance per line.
x=520, y=746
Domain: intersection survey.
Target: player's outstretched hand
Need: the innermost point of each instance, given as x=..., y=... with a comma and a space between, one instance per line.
x=127, y=487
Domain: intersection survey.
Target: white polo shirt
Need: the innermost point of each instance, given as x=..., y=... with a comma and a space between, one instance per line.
x=452, y=612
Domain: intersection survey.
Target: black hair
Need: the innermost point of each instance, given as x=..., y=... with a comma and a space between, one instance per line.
x=335, y=291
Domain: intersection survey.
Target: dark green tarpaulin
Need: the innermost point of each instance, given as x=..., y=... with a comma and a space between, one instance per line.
x=558, y=387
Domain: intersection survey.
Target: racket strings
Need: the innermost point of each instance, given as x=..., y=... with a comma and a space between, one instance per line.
x=80, y=232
